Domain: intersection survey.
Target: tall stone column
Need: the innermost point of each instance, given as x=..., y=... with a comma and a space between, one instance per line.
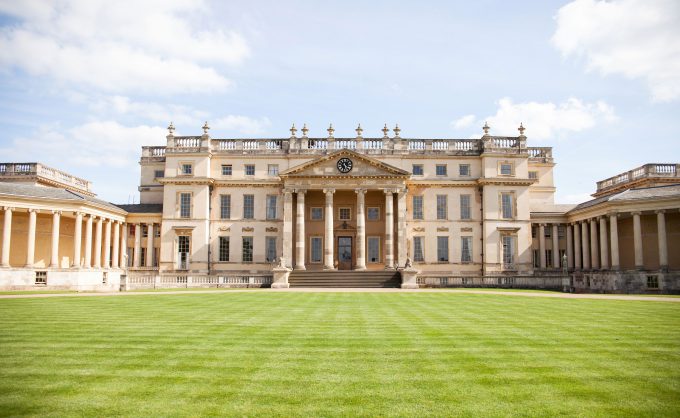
x=88, y=242
x=570, y=245
x=288, y=228
x=30, y=248
x=389, y=229
x=6, y=236
x=328, y=239
x=663, y=244
x=361, y=230
x=541, y=245
x=604, y=248
x=300, y=236
x=98, y=243
x=56, y=218
x=577, y=246
x=594, y=259
x=137, y=262
x=401, y=228
x=149, y=245
x=585, y=245
x=107, y=244
x=77, y=239
x=123, y=245
x=614, y=238
x=555, y=247
x=637, y=241
x=115, y=244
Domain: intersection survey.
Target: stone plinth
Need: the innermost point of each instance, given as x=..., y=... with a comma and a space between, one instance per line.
x=280, y=280
x=409, y=277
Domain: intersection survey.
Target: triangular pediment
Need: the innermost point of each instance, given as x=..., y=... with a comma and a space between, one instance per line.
x=362, y=166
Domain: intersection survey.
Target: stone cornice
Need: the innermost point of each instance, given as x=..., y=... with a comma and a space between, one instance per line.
x=505, y=181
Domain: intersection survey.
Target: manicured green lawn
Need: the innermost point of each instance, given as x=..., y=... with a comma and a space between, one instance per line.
x=338, y=354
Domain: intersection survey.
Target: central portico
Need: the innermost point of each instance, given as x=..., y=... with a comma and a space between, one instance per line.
x=344, y=206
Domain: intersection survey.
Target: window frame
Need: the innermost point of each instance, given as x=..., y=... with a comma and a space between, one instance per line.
x=508, y=163
x=444, y=166
x=421, y=169
x=274, y=208
x=245, y=239
x=311, y=249
x=508, y=265
x=419, y=257
x=225, y=208
x=470, y=259
x=221, y=250
x=379, y=250
x=442, y=207
x=269, y=170
x=460, y=170
x=368, y=210
x=251, y=207
x=419, y=214
x=267, y=243
x=349, y=212
x=468, y=207
x=190, y=204
x=246, y=168
x=229, y=168
x=183, y=165
x=441, y=239
x=311, y=213
x=513, y=209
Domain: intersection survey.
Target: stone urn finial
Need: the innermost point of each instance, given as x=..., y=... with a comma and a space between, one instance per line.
x=206, y=128
x=521, y=129
x=486, y=128
x=171, y=129
x=385, y=130
x=330, y=130
x=359, y=130
x=304, y=130
x=396, y=130
x=293, y=131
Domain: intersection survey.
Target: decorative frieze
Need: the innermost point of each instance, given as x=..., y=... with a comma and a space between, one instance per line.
x=442, y=229
x=247, y=229
x=271, y=229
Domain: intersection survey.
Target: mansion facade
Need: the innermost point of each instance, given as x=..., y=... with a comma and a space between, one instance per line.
x=261, y=212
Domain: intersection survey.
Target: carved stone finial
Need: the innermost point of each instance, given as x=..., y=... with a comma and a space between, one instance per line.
x=359, y=130
x=206, y=128
x=486, y=128
x=171, y=129
x=330, y=130
x=385, y=130
x=396, y=131
x=521, y=129
x=293, y=131
x=304, y=130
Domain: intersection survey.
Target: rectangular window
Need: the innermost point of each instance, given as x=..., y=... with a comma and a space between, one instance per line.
x=561, y=231
x=443, y=249
x=145, y=231
x=131, y=230
x=344, y=214
x=417, y=169
x=508, y=242
x=187, y=169
x=464, y=170
x=270, y=249
x=441, y=169
x=226, y=169
x=271, y=206
x=159, y=174
x=315, y=249
x=373, y=214
x=548, y=258
x=652, y=282
x=533, y=231
x=248, y=206
x=142, y=257
x=373, y=249
x=225, y=206
x=130, y=259
x=548, y=231
x=41, y=277
x=417, y=207
x=506, y=169
x=466, y=249
x=418, y=249
x=247, y=253
x=441, y=206
x=465, y=206
x=316, y=214
x=185, y=205
x=533, y=174
x=537, y=261
x=224, y=249
x=507, y=205
x=250, y=169
x=273, y=169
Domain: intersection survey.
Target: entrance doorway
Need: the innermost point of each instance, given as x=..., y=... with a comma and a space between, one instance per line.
x=344, y=253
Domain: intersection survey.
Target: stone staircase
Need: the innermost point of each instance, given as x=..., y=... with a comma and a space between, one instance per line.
x=345, y=278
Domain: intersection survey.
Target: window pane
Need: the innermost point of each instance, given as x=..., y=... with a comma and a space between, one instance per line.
x=186, y=169
x=417, y=169
x=418, y=249
x=465, y=206
x=508, y=250
x=441, y=170
x=185, y=205
x=417, y=207
x=533, y=174
x=506, y=169
x=464, y=170
x=441, y=206
x=271, y=206
x=373, y=249
x=466, y=249
x=224, y=248
x=250, y=170
x=373, y=214
x=248, y=206
x=317, y=214
x=506, y=202
x=226, y=170
x=273, y=169
x=442, y=248
x=225, y=206
x=158, y=173
x=316, y=249
x=271, y=249
x=247, y=249
x=344, y=214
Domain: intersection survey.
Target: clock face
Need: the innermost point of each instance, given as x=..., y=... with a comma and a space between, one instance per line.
x=345, y=165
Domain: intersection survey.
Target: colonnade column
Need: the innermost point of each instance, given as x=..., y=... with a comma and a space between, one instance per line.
x=300, y=233
x=6, y=236
x=30, y=248
x=389, y=229
x=541, y=245
x=137, y=262
x=637, y=241
x=555, y=247
x=288, y=228
x=604, y=248
x=328, y=239
x=401, y=228
x=107, y=244
x=149, y=245
x=56, y=218
x=661, y=233
x=577, y=246
x=361, y=230
x=88, y=242
x=614, y=238
x=594, y=259
x=123, y=245
x=98, y=243
x=116, y=244
x=77, y=239
x=585, y=245
x=570, y=250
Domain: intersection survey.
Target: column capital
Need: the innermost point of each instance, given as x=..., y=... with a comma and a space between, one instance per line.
x=613, y=213
x=388, y=191
x=329, y=191
x=31, y=210
x=401, y=191
x=9, y=208
x=637, y=212
x=56, y=212
x=360, y=191
x=660, y=211
x=300, y=191
x=288, y=191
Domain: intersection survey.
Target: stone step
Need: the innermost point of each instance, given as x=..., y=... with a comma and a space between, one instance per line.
x=344, y=279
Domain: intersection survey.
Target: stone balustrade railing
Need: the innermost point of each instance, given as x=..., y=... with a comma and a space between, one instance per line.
x=47, y=173
x=645, y=171
x=154, y=280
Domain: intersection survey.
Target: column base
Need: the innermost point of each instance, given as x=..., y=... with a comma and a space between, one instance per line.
x=300, y=268
x=280, y=285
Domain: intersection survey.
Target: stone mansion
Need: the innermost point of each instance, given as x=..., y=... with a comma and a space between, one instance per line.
x=303, y=211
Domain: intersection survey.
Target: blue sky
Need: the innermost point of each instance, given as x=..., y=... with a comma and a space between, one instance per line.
x=83, y=84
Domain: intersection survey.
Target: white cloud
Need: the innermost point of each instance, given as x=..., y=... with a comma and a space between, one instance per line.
x=463, y=122
x=634, y=38
x=180, y=115
x=241, y=124
x=543, y=120
x=150, y=46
